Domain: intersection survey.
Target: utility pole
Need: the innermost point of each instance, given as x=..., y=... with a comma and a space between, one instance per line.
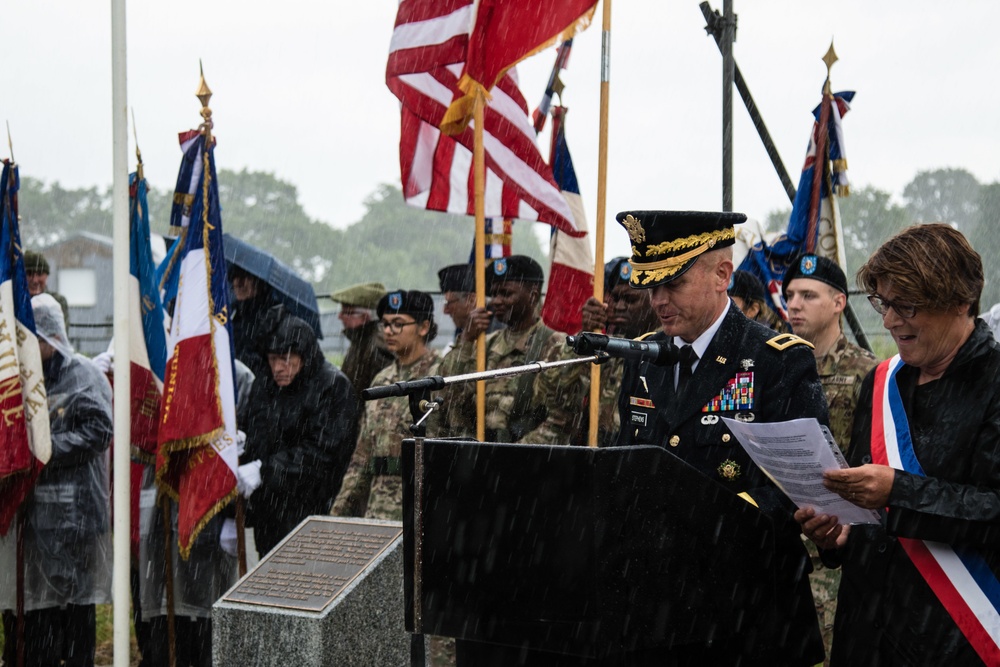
x=728, y=65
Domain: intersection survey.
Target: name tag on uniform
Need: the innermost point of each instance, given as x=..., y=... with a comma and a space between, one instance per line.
x=839, y=380
x=639, y=418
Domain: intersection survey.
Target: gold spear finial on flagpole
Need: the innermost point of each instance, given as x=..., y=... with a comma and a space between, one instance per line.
x=204, y=94
x=138, y=153
x=829, y=59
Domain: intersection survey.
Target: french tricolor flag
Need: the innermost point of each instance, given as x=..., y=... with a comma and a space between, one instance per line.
x=571, y=277
x=196, y=461
x=25, y=440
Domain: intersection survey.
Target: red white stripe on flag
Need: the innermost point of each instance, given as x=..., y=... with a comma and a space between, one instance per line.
x=25, y=441
x=425, y=63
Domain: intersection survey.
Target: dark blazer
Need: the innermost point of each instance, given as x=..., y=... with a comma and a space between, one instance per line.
x=775, y=377
x=886, y=612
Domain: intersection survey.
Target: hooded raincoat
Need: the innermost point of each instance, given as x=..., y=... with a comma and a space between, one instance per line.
x=67, y=537
x=303, y=434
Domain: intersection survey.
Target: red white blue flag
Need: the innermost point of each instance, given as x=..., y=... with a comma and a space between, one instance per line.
x=196, y=461
x=148, y=352
x=814, y=212
x=426, y=59
x=959, y=576
x=571, y=277
x=25, y=440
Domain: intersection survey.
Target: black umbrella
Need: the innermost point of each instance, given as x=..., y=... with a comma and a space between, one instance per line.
x=292, y=290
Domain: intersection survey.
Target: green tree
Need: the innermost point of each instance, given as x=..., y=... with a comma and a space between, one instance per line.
x=50, y=213
x=983, y=239
x=868, y=217
x=403, y=246
x=944, y=195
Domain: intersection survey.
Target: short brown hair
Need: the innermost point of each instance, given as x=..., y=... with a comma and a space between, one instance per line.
x=930, y=266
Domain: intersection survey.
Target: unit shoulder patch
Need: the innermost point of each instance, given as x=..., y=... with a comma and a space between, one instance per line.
x=782, y=342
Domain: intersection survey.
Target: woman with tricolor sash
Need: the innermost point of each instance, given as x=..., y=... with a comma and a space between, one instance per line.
x=921, y=587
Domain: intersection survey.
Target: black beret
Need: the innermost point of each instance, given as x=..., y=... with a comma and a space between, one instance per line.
x=747, y=286
x=418, y=305
x=457, y=278
x=818, y=268
x=516, y=268
x=616, y=272
x=665, y=244
x=35, y=262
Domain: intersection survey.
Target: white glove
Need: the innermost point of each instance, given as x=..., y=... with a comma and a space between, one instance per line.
x=227, y=538
x=248, y=478
x=241, y=442
x=106, y=362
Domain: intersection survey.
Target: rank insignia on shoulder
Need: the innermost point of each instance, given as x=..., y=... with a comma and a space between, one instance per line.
x=729, y=470
x=640, y=402
x=784, y=341
x=736, y=395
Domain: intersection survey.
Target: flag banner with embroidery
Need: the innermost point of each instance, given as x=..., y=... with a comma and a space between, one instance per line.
x=571, y=275
x=498, y=235
x=502, y=34
x=148, y=352
x=25, y=439
x=425, y=62
x=196, y=461
x=813, y=226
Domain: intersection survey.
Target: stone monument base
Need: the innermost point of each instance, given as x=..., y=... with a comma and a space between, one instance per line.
x=330, y=594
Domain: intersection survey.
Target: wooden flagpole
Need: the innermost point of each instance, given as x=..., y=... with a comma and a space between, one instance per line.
x=602, y=189
x=479, y=183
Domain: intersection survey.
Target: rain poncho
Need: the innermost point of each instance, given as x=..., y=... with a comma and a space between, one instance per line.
x=67, y=539
x=303, y=434
x=208, y=572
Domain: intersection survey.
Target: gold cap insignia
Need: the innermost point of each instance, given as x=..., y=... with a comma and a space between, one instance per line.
x=634, y=229
x=729, y=470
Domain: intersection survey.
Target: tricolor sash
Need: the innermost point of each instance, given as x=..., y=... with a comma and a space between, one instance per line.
x=959, y=577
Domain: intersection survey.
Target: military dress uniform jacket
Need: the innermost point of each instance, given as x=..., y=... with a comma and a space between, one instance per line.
x=886, y=612
x=748, y=373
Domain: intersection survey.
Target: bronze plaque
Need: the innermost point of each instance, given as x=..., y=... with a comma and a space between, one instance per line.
x=314, y=564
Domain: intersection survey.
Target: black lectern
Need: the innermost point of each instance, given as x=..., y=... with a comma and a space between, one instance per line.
x=576, y=551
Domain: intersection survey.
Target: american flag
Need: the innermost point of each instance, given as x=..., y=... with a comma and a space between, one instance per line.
x=426, y=58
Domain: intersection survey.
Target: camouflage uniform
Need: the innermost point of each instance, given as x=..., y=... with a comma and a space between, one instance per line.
x=504, y=349
x=373, y=486
x=565, y=392
x=841, y=372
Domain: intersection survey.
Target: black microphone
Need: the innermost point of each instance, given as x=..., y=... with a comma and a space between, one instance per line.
x=402, y=388
x=658, y=354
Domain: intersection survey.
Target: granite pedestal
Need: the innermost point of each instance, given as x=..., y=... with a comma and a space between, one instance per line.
x=330, y=594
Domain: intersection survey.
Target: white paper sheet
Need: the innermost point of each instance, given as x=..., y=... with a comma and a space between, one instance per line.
x=794, y=455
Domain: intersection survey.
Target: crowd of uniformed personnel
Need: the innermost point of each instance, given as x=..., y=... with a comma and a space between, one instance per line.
x=678, y=289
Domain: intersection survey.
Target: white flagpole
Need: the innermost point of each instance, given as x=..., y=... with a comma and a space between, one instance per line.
x=120, y=217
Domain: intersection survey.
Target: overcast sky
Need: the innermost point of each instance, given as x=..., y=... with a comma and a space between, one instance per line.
x=299, y=91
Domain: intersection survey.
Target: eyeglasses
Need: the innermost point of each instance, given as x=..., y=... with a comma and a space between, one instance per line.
x=395, y=326
x=882, y=306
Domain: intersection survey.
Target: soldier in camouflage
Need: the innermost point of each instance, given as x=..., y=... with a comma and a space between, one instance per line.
x=514, y=284
x=565, y=392
x=373, y=486
x=815, y=289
